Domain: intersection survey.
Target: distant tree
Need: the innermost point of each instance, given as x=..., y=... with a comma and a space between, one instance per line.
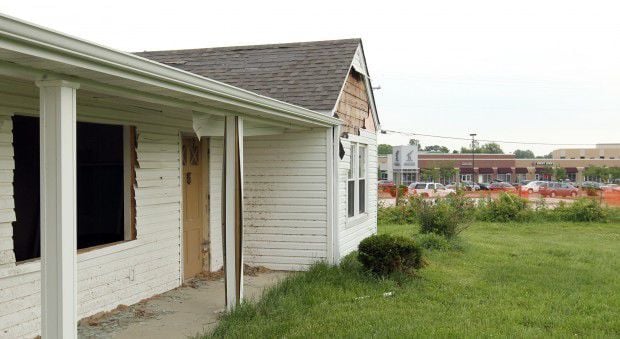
x=430, y=174
x=437, y=148
x=491, y=148
x=447, y=174
x=546, y=156
x=455, y=151
x=524, y=154
x=614, y=173
x=597, y=173
x=559, y=173
x=384, y=149
x=415, y=142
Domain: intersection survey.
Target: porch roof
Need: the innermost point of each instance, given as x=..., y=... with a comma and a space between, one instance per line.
x=31, y=52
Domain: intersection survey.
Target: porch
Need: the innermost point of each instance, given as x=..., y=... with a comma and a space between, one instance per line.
x=63, y=83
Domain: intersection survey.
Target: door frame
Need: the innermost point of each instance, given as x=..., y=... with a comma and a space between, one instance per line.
x=205, y=203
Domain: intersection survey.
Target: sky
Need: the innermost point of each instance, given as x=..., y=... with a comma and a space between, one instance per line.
x=526, y=71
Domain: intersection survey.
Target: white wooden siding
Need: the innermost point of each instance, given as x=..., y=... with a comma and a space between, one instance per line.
x=285, y=200
x=124, y=273
x=352, y=231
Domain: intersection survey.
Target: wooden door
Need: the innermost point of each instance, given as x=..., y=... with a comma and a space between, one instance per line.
x=192, y=206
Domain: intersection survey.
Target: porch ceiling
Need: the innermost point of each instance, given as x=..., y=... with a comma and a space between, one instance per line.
x=29, y=52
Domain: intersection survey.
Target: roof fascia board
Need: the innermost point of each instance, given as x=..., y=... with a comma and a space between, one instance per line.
x=371, y=95
x=19, y=71
x=43, y=43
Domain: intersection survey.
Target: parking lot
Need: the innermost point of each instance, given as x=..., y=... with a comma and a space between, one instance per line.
x=606, y=197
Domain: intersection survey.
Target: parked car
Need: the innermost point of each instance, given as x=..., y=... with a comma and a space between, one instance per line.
x=532, y=186
x=560, y=189
x=453, y=186
x=429, y=189
x=386, y=184
x=611, y=187
x=591, y=184
x=501, y=186
x=470, y=186
x=484, y=186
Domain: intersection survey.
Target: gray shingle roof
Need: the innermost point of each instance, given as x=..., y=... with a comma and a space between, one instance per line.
x=308, y=74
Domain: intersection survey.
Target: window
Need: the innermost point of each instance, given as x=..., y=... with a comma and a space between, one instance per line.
x=357, y=180
x=105, y=155
x=406, y=176
x=486, y=177
x=362, y=178
x=465, y=177
x=571, y=176
x=504, y=177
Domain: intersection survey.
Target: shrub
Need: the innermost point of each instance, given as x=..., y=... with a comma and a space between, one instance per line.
x=395, y=215
x=581, y=210
x=441, y=217
x=432, y=241
x=386, y=254
x=507, y=207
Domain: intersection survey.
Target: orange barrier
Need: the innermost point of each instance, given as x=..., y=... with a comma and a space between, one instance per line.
x=612, y=198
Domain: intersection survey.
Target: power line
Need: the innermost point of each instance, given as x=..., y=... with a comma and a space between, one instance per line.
x=385, y=131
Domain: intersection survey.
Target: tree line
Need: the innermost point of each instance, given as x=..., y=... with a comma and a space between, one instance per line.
x=488, y=148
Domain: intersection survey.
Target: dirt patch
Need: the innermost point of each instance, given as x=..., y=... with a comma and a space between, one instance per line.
x=253, y=271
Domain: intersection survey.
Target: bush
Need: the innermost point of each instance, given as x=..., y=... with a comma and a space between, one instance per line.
x=507, y=207
x=581, y=210
x=395, y=215
x=441, y=217
x=432, y=241
x=386, y=254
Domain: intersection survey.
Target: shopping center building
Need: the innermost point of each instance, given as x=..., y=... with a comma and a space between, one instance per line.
x=482, y=167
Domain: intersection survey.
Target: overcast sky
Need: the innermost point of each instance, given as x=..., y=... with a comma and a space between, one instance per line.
x=535, y=71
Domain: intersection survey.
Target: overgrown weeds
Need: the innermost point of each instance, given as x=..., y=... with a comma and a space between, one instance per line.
x=450, y=215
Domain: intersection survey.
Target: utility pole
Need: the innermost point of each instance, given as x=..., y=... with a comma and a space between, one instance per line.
x=473, y=157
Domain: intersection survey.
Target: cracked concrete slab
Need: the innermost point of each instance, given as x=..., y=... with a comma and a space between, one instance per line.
x=183, y=312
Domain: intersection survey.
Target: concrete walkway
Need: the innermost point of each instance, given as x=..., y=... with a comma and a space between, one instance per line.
x=183, y=312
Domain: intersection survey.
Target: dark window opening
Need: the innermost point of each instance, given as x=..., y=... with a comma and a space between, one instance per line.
x=100, y=186
x=351, y=198
x=362, y=197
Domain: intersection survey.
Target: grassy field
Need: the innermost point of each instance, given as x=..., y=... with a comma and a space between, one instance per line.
x=550, y=279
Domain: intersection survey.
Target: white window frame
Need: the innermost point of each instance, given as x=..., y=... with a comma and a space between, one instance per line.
x=354, y=176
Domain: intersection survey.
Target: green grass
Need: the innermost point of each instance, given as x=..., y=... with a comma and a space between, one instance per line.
x=539, y=279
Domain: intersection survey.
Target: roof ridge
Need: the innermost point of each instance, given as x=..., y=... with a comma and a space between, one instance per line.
x=256, y=46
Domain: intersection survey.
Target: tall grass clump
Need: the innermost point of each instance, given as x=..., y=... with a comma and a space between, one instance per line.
x=581, y=210
x=446, y=217
x=507, y=207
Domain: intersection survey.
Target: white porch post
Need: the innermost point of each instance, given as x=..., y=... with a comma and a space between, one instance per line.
x=232, y=210
x=58, y=209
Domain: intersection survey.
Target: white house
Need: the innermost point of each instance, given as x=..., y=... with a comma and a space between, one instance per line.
x=121, y=175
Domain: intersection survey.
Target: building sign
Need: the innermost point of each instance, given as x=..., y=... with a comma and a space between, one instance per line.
x=543, y=163
x=466, y=163
x=405, y=157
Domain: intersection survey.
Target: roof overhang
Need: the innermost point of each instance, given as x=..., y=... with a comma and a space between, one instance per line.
x=31, y=52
